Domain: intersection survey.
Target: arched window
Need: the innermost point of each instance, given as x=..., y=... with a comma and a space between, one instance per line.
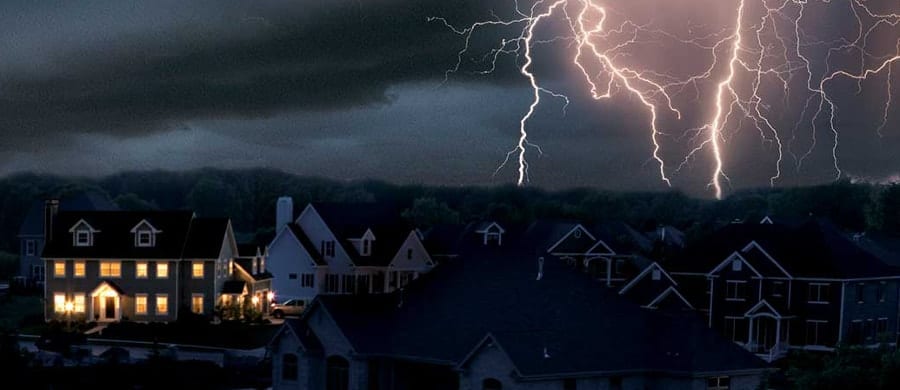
x=491, y=384
x=337, y=373
x=289, y=367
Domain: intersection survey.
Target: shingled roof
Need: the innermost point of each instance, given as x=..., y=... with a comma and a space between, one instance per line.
x=815, y=249
x=181, y=235
x=33, y=224
x=583, y=326
x=351, y=221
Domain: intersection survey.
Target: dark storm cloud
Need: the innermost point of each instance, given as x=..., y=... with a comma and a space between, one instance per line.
x=173, y=61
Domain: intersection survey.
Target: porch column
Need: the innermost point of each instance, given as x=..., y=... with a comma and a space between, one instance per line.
x=608, y=272
x=750, y=335
x=777, y=332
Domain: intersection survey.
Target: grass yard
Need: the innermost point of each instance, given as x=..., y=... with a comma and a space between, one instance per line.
x=20, y=313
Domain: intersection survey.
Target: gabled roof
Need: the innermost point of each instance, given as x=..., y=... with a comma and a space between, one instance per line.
x=115, y=240
x=646, y=271
x=298, y=329
x=234, y=287
x=668, y=293
x=621, y=237
x=305, y=242
x=245, y=264
x=350, y=221
x=33, y=224
x=205, y=238
x=578, y=240
x=815, y=249
x=501, y=296
x=762, y=307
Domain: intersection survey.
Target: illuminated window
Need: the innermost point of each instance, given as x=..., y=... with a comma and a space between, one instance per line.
x=79, y=302
x=162, y=270
x=162, y=304
x=140, y=304
x=110, y=269
x=140, y=270
x=59, y=269
x=59, y=302
x=79, y=269
x=197, y=303
x=197, y=270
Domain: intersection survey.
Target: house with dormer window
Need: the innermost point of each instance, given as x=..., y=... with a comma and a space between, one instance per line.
x=771, y=287
x=328, y=248
x=140, y=266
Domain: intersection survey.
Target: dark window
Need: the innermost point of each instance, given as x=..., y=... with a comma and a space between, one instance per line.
x=735, y=290
x=860, y=292
x=337, y=373
x=777, y=289
x=30, y=248
x=409, y=254
x=332, y=283
x=365, y=247
x=879, y=294
x=854, y=336
x=816, y=332
x=718, y=383
x=818, y=293
x=491, y=384
x=292, y=276
x=881, y=326
x=289, y=367
x=570, y=384
x=736, y=329
x=869, y=330
x=615, y=383
x=307, y=280
x=349, y=284
x=362, y=284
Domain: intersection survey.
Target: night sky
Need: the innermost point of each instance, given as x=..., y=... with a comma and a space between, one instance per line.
x=355, y=89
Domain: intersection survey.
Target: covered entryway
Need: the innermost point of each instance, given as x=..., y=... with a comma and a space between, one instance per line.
x=106, y=302
x=769, y=331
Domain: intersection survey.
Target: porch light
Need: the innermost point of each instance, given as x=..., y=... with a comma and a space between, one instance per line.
x=270, y=296
x=255, y=300
x=69, y=306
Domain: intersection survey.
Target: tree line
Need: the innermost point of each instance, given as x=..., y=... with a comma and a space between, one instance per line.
x=248, y=197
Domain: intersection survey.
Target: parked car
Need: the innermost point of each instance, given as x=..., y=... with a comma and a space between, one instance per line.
x=290, y=307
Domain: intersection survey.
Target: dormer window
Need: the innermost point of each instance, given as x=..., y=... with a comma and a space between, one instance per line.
x=82, y=234
x=145, y=234
x=366, y=247
x=492, y=233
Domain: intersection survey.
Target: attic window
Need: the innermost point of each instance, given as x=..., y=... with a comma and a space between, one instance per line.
x=145, y=235
x=83, y=237
x=656, y=275
x=366, y=247
x=577, y=233
x=144, y=238
x=736, y=265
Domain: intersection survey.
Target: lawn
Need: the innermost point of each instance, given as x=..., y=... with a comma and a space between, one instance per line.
x=226, y=335
x=20, y=312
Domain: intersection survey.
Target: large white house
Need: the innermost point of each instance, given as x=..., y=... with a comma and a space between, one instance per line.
x=332, y=248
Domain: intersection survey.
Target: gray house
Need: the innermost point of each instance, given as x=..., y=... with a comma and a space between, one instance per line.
x=496, y=317
x=143, y=266
x=32, y=232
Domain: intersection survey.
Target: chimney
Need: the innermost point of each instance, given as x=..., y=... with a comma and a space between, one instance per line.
x=284, y=212
x=51, y=207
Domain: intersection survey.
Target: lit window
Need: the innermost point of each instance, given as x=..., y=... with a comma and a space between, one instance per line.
x=197, y=270
x=110, y=269
x=79, y=303
x=79, y=269
x=162, y=304
x=140, y=304
x=140, y=270
x=59, y=269
x=197, y=303
x=59, y=302
x=162, y=270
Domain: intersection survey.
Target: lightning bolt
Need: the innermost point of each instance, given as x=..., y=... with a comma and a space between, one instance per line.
x=764, y=46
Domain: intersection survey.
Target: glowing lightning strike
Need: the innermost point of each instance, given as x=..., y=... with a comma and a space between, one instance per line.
x=765, y=46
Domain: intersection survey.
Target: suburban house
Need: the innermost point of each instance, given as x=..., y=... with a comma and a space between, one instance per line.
x=32, y=233
x=250, y=280
x=137, y=265
x=503, y=315
x=333, y=248
x=771, y=287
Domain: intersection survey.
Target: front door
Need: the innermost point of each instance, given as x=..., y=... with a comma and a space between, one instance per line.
x=765, y=333
x=110, y=309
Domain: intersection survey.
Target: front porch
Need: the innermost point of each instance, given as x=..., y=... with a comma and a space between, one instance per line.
x=769, y=332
